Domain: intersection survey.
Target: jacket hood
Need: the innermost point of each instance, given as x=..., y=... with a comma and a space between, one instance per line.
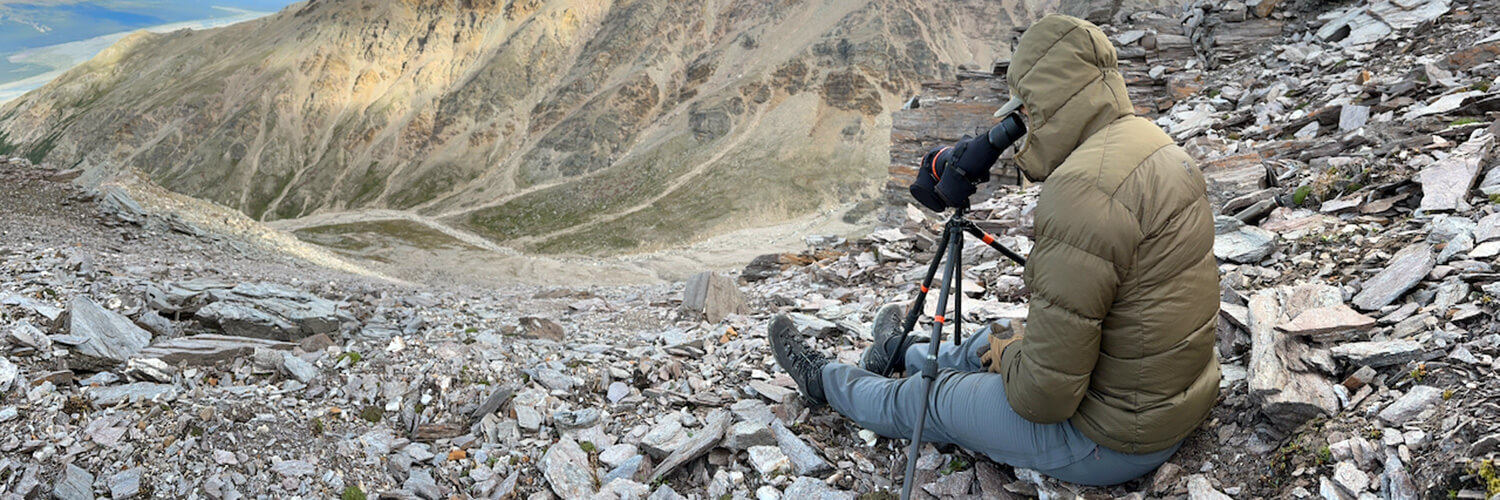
x=1066, y=72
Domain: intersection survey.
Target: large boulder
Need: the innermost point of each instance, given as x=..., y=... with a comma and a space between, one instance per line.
x=714, y=296
x=107, y=338
x=267, y=311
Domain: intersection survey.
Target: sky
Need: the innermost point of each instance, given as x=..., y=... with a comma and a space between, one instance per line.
x=40, y=39
x=36, y=23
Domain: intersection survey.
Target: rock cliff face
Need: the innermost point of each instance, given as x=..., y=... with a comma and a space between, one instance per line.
x=559, y=125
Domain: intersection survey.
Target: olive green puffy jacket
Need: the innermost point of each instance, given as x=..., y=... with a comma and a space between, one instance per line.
x=1124, y=288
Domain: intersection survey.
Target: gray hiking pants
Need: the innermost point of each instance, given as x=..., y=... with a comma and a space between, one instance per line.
x=969, y=409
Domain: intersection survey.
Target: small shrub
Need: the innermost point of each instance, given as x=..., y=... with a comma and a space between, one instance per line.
x=958, y=464
x=352, y=493
x=1300, y=195
x=372, y=413
x=352, y=356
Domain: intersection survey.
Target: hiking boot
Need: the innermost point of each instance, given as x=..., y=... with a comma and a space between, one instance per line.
x=801, y=362
x=888, y=352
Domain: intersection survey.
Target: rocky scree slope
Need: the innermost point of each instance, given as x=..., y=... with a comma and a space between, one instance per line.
x=546, y=125
x=1357, y=334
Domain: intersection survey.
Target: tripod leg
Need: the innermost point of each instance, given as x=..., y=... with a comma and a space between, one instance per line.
x=916, y=306
x=958, y=289
x=930, y=370
x=989, y=239
x=932, y=268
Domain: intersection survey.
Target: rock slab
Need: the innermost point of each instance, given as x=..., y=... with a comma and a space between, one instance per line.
x=1405, y=270
x=810, y=488
x=1287, y=396
x=805, y=459
x=1327, y=323
x=133, y=393
x=1383, y=353
x=1200, y=489
x=714, y=296
x=567, y=469
x=110, y=337
x=1236, y=242
x=541, y=328
x=208, y=349
x=267, y=311
x=1411, y=405
x=76, y=484
x=1447, y=182
x=714, y=427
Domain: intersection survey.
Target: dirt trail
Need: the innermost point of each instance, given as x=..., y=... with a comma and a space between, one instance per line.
x=484, y=261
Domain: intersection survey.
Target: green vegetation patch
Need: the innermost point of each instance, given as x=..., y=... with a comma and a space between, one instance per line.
x=365, y=239
x=574, y=203
x=352, y=493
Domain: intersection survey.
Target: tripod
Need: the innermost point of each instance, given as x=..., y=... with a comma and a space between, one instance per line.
x=953, y=246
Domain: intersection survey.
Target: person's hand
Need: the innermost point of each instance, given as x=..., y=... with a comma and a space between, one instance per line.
x=1002, y=334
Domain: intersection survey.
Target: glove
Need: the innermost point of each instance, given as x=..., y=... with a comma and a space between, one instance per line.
x=1002, y=335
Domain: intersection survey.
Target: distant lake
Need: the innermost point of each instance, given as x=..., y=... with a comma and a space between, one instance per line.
x=40, y=39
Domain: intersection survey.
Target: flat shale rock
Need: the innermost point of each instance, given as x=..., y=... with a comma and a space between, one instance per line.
x=744, y=435
x=1327, y=323
x=125, y=484
x=714, y=427
x=23, y=333
x=951, y=485
x=1445, y=183
x=768, y=460
x=751, y=410
x=8, y=373
x=208, y=349
x=75, y=484
x=1236, y=242
x=1396, y=481
x=1407, y=268
x=806, y=460
x=118, y=204
x=298, y=368
x=1348, y=476
x=664, y=439
x=810, y=488
x=541, y=328
x=568, y=472
x=1200, y=489
x=1382, y=353
x=268, y=311
x=1411, y=405
x=109, y=338
x=132, y=393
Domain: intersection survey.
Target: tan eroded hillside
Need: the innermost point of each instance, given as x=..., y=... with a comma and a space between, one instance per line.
x=558, y=126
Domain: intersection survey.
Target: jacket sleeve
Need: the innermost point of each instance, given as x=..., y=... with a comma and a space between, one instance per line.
x=1073, y=281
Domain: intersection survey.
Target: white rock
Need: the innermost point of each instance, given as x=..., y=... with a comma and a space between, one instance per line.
x=8, y=373
x=1350, y=478
x=1200, y=489
x=768, y=460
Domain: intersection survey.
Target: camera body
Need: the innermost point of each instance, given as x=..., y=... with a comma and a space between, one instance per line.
x=950, y=174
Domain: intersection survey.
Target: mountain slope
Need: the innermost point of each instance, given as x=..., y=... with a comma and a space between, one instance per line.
x=563, y=125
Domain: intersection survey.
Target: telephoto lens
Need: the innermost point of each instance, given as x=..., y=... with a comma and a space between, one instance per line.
x=949, y=175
